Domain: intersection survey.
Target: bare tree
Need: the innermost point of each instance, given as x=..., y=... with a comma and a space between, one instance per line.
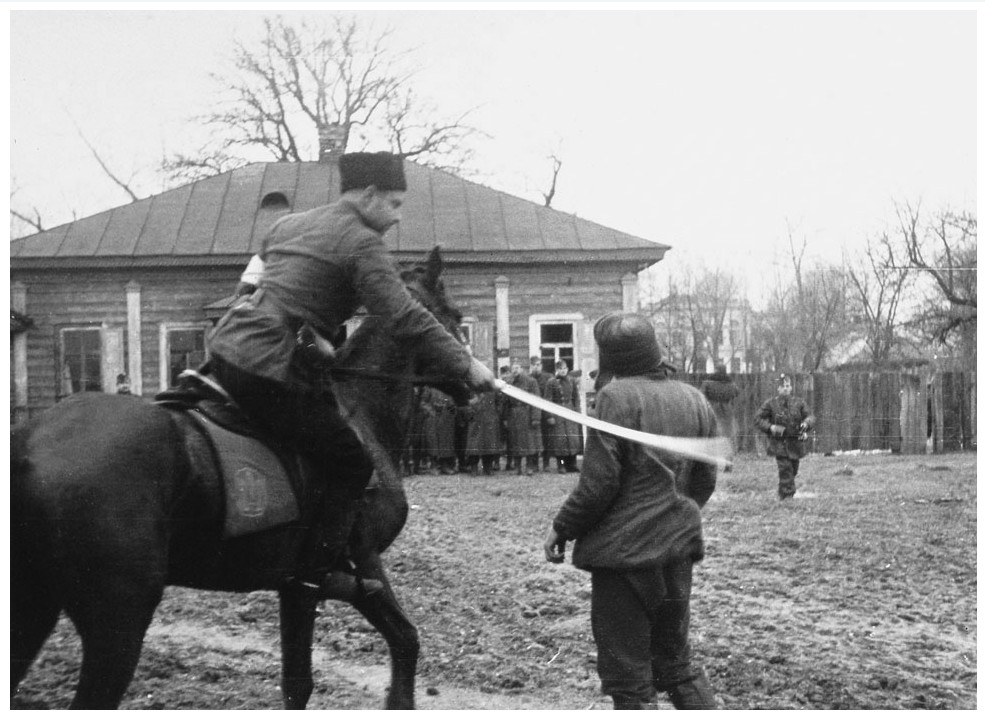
x=207, y=161
x=805, y=314
x=549, y=195
x=707, y=295
x=304, y=79
x=23, y=221
x=664, y=308
x=775, y=332
x=821, y=314
x=691, y=314
x=125, y=185
x=878, y=282
x=818, y=307
x=945, y=250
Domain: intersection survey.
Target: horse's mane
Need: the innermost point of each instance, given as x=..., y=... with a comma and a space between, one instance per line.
x=379, y=408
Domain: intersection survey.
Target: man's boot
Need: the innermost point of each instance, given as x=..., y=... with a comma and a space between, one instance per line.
x=327, y=573
x=693, y=695
x=627, y=703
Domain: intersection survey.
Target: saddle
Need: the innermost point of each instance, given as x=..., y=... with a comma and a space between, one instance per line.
x=263, y=482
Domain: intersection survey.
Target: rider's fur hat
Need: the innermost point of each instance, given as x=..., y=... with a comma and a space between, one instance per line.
x=383, y=170
x=627, y=344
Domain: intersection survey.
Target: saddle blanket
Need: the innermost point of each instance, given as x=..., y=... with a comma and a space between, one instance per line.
x=259, y=494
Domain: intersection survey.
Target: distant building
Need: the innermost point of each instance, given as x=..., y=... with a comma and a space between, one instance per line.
x=133, y=290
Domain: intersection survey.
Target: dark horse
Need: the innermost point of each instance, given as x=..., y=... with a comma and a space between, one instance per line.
x=111, y=501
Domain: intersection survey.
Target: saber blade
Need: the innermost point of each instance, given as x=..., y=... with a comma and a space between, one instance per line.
x=710, y=451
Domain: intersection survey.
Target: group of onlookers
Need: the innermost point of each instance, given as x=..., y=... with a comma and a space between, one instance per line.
x=496, y=432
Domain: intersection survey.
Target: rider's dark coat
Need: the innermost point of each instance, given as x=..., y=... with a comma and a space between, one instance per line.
x=320, y=266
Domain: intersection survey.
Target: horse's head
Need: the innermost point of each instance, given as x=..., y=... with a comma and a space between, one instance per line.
x=425, y=284
x=375, y=373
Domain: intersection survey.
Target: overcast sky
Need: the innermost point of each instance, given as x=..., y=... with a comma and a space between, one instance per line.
x=712, y=128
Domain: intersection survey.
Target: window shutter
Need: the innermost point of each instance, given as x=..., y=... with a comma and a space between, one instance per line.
x=482, y=342
x=113, y=359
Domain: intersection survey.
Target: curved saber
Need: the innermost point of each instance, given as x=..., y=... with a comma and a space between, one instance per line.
x=709, y=451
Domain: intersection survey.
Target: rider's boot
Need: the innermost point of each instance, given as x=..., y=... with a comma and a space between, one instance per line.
x=330, y=577
x=327, y=572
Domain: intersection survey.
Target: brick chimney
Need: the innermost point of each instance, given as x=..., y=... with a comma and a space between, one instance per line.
x=330, y=142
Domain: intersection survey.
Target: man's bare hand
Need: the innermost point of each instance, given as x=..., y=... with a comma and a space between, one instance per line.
x=554, y=547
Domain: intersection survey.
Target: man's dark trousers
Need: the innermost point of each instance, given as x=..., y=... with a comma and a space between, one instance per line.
x=787, y=468
x=640, y=621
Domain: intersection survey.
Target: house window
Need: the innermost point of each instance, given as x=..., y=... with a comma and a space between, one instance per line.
x=556, y=342
x=466, y=330
x=81, y=360
x=184, y=348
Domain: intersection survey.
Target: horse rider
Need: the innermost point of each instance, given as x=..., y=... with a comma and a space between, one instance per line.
x=319, y=267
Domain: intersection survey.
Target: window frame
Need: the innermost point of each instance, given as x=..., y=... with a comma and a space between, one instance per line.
x=62, y=330
x=164, y=346
x=575, y=319
x=466, y=328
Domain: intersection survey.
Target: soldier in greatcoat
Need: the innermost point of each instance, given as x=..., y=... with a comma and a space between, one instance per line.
x=444, y=431
x=421, y=439
x=563, y=435
x=484, y=440
x=522, y=421
x=540, y=440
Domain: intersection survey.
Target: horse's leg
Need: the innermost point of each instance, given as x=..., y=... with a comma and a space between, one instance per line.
x=33, y=614
x=297, y=627
x=383, y=611
x=111, y=619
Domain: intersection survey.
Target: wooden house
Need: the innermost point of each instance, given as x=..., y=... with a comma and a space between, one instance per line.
x=131, y=292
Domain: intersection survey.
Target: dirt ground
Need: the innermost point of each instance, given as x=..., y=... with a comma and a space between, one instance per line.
x=860, y=593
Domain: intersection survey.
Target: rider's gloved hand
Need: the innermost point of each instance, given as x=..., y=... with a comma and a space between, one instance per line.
x=480, y=377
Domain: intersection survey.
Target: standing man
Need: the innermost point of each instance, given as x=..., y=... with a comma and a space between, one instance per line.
x=540, y=440
x=506, y=375
x=445, y=418
x=635, y=518
x=562, y=437
x=522, y=422
x=319, y=266
x=785, y=419
x=484, y=441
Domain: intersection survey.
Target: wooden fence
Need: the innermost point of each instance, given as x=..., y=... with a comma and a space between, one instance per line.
x=909, y=413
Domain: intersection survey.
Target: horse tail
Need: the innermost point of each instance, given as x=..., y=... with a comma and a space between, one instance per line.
x=18, y=451
x=20, y=468
x=34, y=606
